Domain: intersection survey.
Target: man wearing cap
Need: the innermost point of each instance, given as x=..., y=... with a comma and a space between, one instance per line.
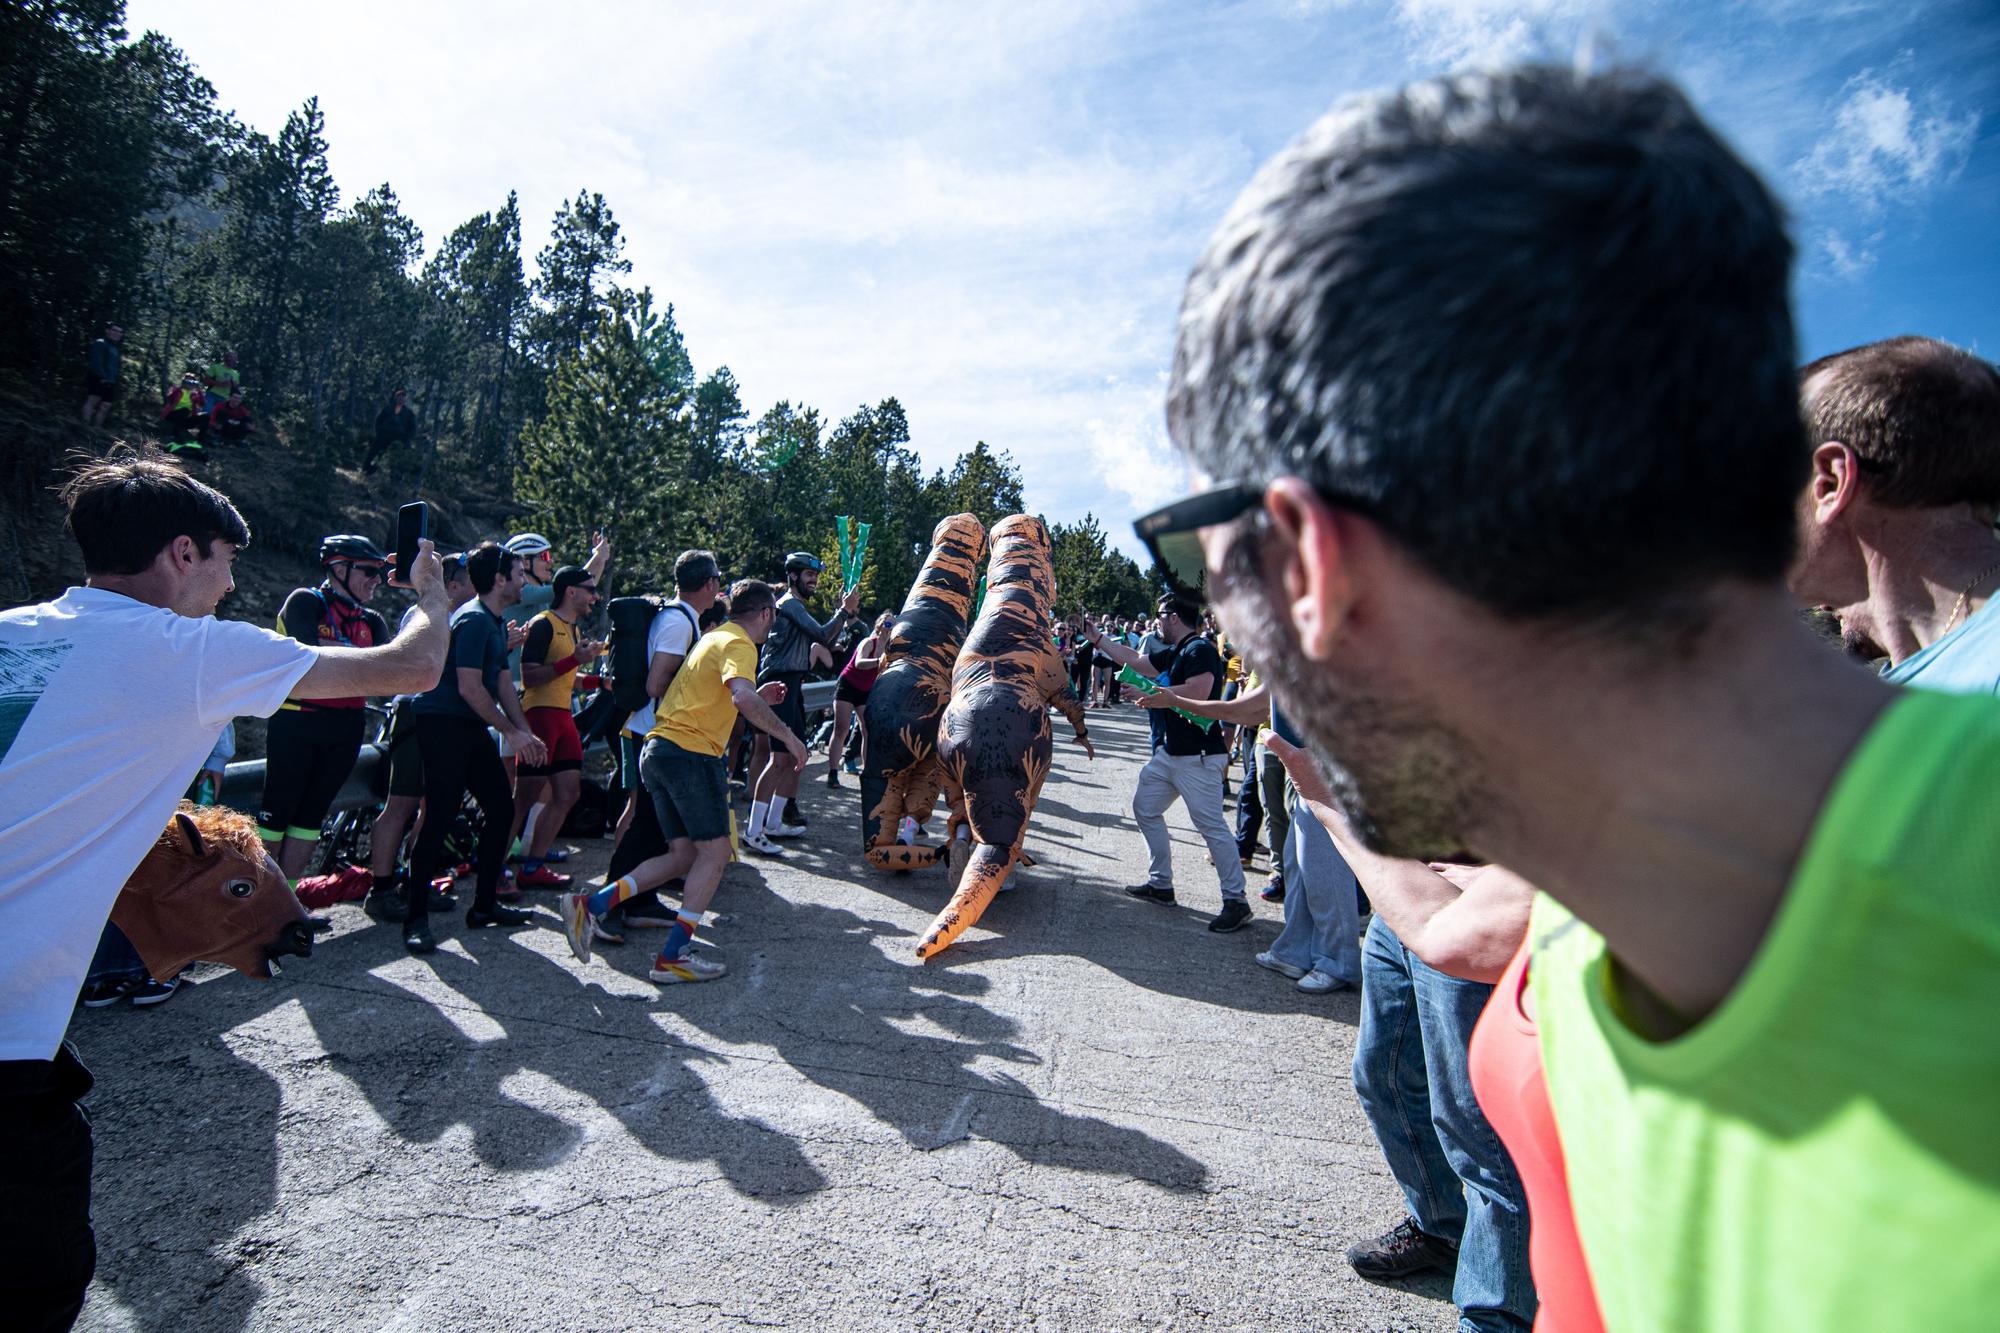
x=786, y=659
x=538, y=565
x=549, y=662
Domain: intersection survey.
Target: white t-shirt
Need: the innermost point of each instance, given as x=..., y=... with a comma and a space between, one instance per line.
x=107, y=708
x=673, y=631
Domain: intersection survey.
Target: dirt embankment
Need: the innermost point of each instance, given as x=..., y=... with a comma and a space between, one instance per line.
x=291, y=495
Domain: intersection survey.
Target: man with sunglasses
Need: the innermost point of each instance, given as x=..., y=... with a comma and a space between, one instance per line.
x=312, y=744
x=1188, y=760
x=549, y=663
x=786, y=658
x=1498, y=372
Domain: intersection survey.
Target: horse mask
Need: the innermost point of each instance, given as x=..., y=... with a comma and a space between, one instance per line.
x=208, y=891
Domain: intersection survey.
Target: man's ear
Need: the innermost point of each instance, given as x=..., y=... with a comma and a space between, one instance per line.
x=1315, y=572
x=1835, y=480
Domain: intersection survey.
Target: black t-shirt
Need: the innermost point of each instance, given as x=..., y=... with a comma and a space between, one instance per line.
x=1195, y=656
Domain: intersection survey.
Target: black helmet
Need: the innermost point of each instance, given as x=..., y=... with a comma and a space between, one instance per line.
x=799, y=560
x=350, y=546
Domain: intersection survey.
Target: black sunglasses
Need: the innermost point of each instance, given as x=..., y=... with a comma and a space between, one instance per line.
x=1172, y=533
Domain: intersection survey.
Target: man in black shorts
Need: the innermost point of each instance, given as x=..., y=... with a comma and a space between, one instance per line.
x=406, y=781
x=312, y=744
x=786, y=658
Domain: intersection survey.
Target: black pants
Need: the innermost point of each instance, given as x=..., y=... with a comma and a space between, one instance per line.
x=460, y=756
x=47, y=1251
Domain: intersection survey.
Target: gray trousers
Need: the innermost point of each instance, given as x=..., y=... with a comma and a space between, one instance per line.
x=1196, y=779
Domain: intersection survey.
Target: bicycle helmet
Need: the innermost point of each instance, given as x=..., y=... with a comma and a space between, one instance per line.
x=799, y=560
x=528, y=543
x=350, y=546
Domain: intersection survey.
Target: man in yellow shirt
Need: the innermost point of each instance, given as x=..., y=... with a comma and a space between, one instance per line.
x=684, y=775
x=549, y=662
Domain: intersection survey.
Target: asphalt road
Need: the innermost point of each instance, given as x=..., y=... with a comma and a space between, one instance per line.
x=1088, y=1114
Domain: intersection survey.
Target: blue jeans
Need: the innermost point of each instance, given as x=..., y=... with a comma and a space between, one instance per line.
x=1410, y=1074
x=1322, y=930
x=115, y=959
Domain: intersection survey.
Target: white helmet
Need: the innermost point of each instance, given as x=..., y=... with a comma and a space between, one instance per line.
x=527, y=543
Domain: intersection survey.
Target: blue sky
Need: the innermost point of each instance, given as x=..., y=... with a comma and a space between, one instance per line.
x=988, y=211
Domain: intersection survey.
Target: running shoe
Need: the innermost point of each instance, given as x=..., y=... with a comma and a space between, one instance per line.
x=577, y=923
x=672, y=971
x=762, y=846
x=541, y=877
x=1270, y=960
x=100, y=993
x=1317, y=982
x=417, y=937
x=150, y=992
x=1235, y=915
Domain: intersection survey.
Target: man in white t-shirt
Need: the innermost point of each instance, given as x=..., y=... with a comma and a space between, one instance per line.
x=698, y=581
x=111, y=696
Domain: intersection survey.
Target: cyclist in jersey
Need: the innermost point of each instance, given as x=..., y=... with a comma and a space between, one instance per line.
x=786, y=658
x=549, y=662
x=538, y=566
x=312, y=743
x=850, y=700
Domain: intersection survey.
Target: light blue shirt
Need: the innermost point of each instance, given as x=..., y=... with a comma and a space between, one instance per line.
x=1965, y=661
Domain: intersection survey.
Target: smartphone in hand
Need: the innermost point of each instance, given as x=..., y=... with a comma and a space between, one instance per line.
x=413, y=524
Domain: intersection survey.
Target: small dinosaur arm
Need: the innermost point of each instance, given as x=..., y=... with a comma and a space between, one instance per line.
x=995, y=742
x=902, y=776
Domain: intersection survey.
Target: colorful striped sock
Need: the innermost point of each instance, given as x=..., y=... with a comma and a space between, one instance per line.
x=613, y=894
x=680, y=937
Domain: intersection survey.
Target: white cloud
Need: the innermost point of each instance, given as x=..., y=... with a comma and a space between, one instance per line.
x=1455, y=34
x=1883, y=149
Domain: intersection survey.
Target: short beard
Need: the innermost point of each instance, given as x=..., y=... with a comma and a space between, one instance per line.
x=1402, y=780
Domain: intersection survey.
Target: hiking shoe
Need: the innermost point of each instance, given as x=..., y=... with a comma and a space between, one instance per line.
x=541, y=877
x=1270, y=960
x=1317, y=982
x=497, y=916
x=1151, y=893
x=417, y=937
x=763, y=846
x=1274, y=892
x=574, y=908
x=1402, y=1250
x=150, y=992
x=1235, y=915
x=100, y=993
x=672, y=971
x=784, y=830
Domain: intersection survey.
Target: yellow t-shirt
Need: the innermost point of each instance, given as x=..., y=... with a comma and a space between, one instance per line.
x=699, y=711
x=550, y=640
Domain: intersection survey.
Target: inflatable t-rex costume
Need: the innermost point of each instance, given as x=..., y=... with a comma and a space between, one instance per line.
x=208, y=890
x=995, y=741
x=903, y=776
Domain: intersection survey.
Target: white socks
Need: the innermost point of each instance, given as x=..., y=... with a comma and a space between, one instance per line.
x=759, y=812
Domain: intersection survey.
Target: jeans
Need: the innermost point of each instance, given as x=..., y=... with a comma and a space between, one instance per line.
x=1410, y=1074
x=47, y=1250
x=1249, y=805
x=115, y=959
x=1277, y=792
x=1197, y=779
x=1322, y=932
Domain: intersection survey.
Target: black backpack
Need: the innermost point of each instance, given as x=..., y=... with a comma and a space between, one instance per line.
x=631, y=621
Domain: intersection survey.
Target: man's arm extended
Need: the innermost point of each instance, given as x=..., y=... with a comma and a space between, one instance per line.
x=1245, y=710
x=1465, y=921
x=408, y=664
x=759, y=715
x=1119, y=653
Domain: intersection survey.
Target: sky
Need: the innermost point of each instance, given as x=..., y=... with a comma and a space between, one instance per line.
x=988, y=211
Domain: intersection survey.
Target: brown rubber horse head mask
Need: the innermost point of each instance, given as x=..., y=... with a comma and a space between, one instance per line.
x=208, y=891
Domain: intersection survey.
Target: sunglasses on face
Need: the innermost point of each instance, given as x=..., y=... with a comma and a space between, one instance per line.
x=371, y=571
x=1172, y=533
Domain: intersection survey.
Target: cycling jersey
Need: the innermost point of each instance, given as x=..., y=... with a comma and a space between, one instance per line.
x=551, y=642
x=321, y=618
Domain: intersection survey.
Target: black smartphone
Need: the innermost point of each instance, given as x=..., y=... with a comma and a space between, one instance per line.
x=413, y=524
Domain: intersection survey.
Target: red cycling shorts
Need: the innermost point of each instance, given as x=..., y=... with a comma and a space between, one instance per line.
x=555, y=728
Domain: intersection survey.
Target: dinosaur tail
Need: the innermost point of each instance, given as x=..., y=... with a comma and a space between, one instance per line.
x=902, y=856
x=984, y=875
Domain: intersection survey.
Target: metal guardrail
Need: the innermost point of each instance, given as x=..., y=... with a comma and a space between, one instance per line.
x=368, y=784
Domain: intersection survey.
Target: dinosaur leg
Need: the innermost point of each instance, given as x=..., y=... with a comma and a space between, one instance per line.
x=911, y=792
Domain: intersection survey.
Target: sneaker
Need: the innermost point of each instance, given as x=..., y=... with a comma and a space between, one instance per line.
x=1317, y=982
x=507, y=891
x=1249, y=861
x=574, y=908
x=541, y=877
x=150, y=992
x=793, y=815
x=1151, y=893
x=391, y=905
x=763, y=846
x=833, y=777
x=497, y=916
x=1404, y=1249
x=98, y=994
x=417, y=937
x=784, y=830
x=671, y=971
x=1268, y=959
x=441, y=899
x=1235, y=915
x=1274, y=892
